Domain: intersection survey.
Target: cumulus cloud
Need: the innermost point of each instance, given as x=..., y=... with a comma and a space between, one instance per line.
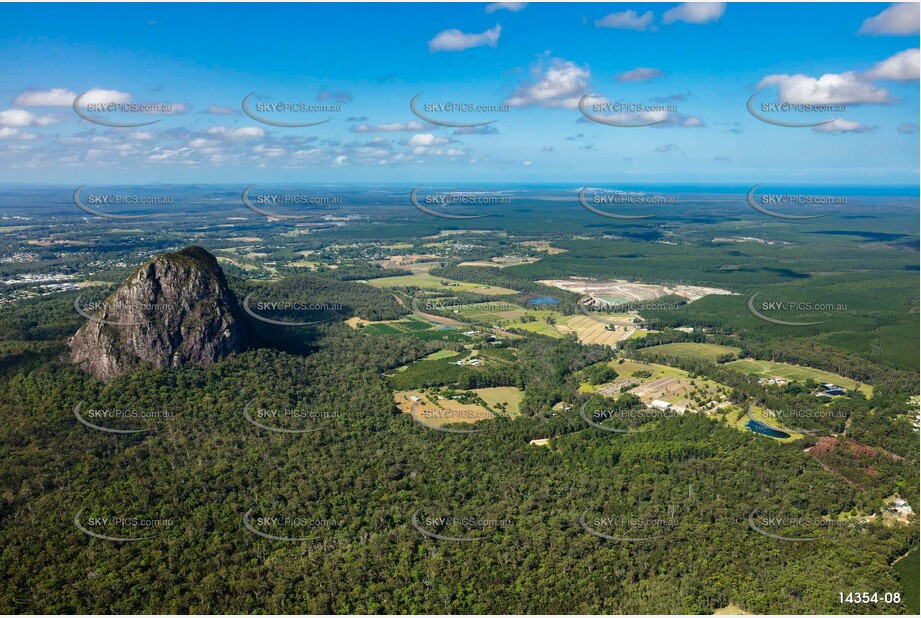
x=625, y=20
x=427, y=139
x=662, y=118
x=840, y=125
x=13, y=133
x=514, y=7
x=899, y=18
x=455, y=40
x=560, y=85
x=667, y=148
x=908, y=127
x=412, y=125
x=101, y=95
x=831, y=88
x=903, y=66
x=695, y=12
x=240, y=133
x=24, y=118
x=639, y=74
x=55, y=97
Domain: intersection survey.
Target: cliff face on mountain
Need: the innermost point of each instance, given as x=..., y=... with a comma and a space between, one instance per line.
x=174, y=310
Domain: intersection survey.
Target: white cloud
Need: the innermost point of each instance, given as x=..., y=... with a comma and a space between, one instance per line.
x=56, y=97
x=625, y=20
x=100, y=95
x=526, y=163
x=560, y=86
x=455, y=40
x=514, y=7
x=174, y=108
x=840, y=125
x=412, y=125
x=14, y=133
x=899, y=18
x=639, y=74
x=427, y=139
x=908, y=127
x=663, y=118
x=695, y=12
x=269, y=151
x=23, y=118
x=831, y=88
x=903, y=66
x=240, y=133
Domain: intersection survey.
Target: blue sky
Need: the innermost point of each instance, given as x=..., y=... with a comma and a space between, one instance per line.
x=704, y=59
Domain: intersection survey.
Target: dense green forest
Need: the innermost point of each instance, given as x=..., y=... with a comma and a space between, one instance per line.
x=361, y=478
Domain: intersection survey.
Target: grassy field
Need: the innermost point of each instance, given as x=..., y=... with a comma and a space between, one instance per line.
x=411, y=325
x=693, y=351
x=445, y=411
x=509, y=395
x=665, y=383
x=628, y=367
x=907, y=569
x=540, y=327
x=440, y=354
x=590, y=331
x=428, y=282
x=770, y=369
x=491, y=313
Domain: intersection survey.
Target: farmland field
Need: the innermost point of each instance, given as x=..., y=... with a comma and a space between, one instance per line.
x=429, y=282
x=770, y=369
x=508, y=395
x=492, y=313
x=692, y=351
x=591, y=331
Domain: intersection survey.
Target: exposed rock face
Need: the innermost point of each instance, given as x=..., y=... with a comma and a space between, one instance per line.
x=175, y=309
